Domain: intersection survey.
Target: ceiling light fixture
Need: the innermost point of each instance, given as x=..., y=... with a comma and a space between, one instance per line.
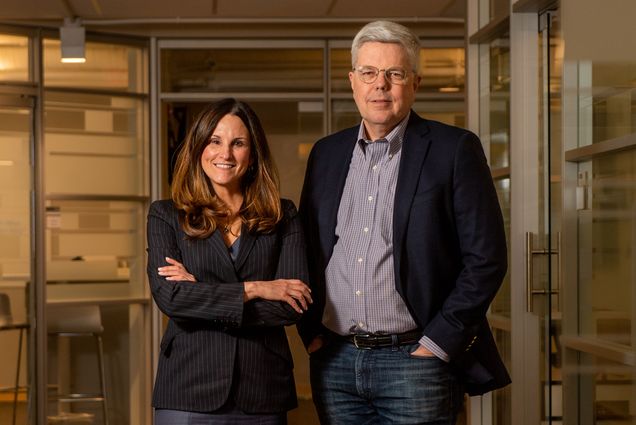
x=72, y=37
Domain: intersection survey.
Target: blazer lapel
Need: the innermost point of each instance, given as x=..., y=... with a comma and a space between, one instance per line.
x=247, y=242
x=331, y=200
x=414, y=150
x=219, y=249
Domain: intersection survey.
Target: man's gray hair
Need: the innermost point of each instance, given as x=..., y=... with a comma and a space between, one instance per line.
x=388, y=32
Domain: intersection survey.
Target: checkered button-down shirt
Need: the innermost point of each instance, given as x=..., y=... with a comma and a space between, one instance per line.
x=361, y=295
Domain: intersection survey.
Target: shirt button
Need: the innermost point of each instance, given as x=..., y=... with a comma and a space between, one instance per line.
x=366, y=230
x=361, y=324
x=390, y=156
x=375, y=167
x=359, y=260
x=370, y=198
x=358, y=292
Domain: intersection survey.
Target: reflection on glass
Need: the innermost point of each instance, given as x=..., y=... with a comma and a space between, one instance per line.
x=497, y=102
x=442, y=70
x=97, y=184
x=501, y=303
x=494, y=130
x=98, y=244
x=606, y=394
x=490, y=10
x=345, y=114
x=607, y=101
x=340, y=61
x=14, y=58
x=242, y=70
x=95, y=144
x=606, y=259
x=499, y=8
x=15, y=259
x=107, y=67
x=550, y=117
x=549, y=187
x=292, y=128
x=502, y=398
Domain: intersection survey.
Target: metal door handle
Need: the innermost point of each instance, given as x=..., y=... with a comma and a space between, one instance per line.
x=530, y=254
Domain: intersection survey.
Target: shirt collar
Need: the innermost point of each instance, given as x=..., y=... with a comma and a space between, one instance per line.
x=394, y=138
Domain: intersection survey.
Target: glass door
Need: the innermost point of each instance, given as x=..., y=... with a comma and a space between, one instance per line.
x=599, y=126
x=543, y=248
x=16, y=260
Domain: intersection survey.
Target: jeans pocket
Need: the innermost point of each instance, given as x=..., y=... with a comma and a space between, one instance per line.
x=408, y=350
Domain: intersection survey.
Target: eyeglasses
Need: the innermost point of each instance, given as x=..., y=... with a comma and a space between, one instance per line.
x=368, y=74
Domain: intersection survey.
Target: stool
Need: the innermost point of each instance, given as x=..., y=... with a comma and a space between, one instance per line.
x=80, y=321
x=7, y=324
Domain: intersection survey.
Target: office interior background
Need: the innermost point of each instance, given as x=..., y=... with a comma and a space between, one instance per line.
x=549, y=86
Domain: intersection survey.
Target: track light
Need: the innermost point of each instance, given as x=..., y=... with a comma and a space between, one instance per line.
x=72, y=35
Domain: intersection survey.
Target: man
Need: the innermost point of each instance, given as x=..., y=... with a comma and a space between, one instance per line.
x=406, y=248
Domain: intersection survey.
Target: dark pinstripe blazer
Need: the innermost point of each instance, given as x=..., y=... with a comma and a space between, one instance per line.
x=216, y=346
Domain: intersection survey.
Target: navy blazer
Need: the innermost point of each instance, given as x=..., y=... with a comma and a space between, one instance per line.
x=449, y=245
x=215, y=343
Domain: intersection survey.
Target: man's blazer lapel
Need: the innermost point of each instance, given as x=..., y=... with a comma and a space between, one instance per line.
x=414, y=151
x=336, y=178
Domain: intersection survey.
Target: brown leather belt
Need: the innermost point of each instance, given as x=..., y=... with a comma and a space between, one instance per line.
x=370, y=341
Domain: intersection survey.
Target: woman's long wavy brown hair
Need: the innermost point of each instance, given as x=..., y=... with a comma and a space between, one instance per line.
x=201, y=209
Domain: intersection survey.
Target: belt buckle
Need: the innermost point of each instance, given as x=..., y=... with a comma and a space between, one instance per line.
x=355, y=341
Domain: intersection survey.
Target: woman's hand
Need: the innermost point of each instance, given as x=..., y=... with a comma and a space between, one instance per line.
x=175, y=271
x=293, y=291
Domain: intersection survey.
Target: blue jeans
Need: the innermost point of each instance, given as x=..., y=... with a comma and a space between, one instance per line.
x=179, y=417
x=382, y=386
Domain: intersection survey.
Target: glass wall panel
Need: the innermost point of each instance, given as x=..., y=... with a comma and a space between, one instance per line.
x=73, y=367
x=95, y=145
x=495, y=102
x=607, y=101
x=607, y=277
x=491, y=10
x=292, y=127
x=95, y=248
x=501, y=303
x=501, y=399
x=442, y=70
x=498, y=8
x=340, y=65
x=606, y=395
x=108, y=66
x=344, y=114
x=15, y=260
x=242, y=70
x=97, y=185
x=14, y=58
x=494, y=131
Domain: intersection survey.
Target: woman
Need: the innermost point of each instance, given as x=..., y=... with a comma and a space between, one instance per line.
x=226, y=264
